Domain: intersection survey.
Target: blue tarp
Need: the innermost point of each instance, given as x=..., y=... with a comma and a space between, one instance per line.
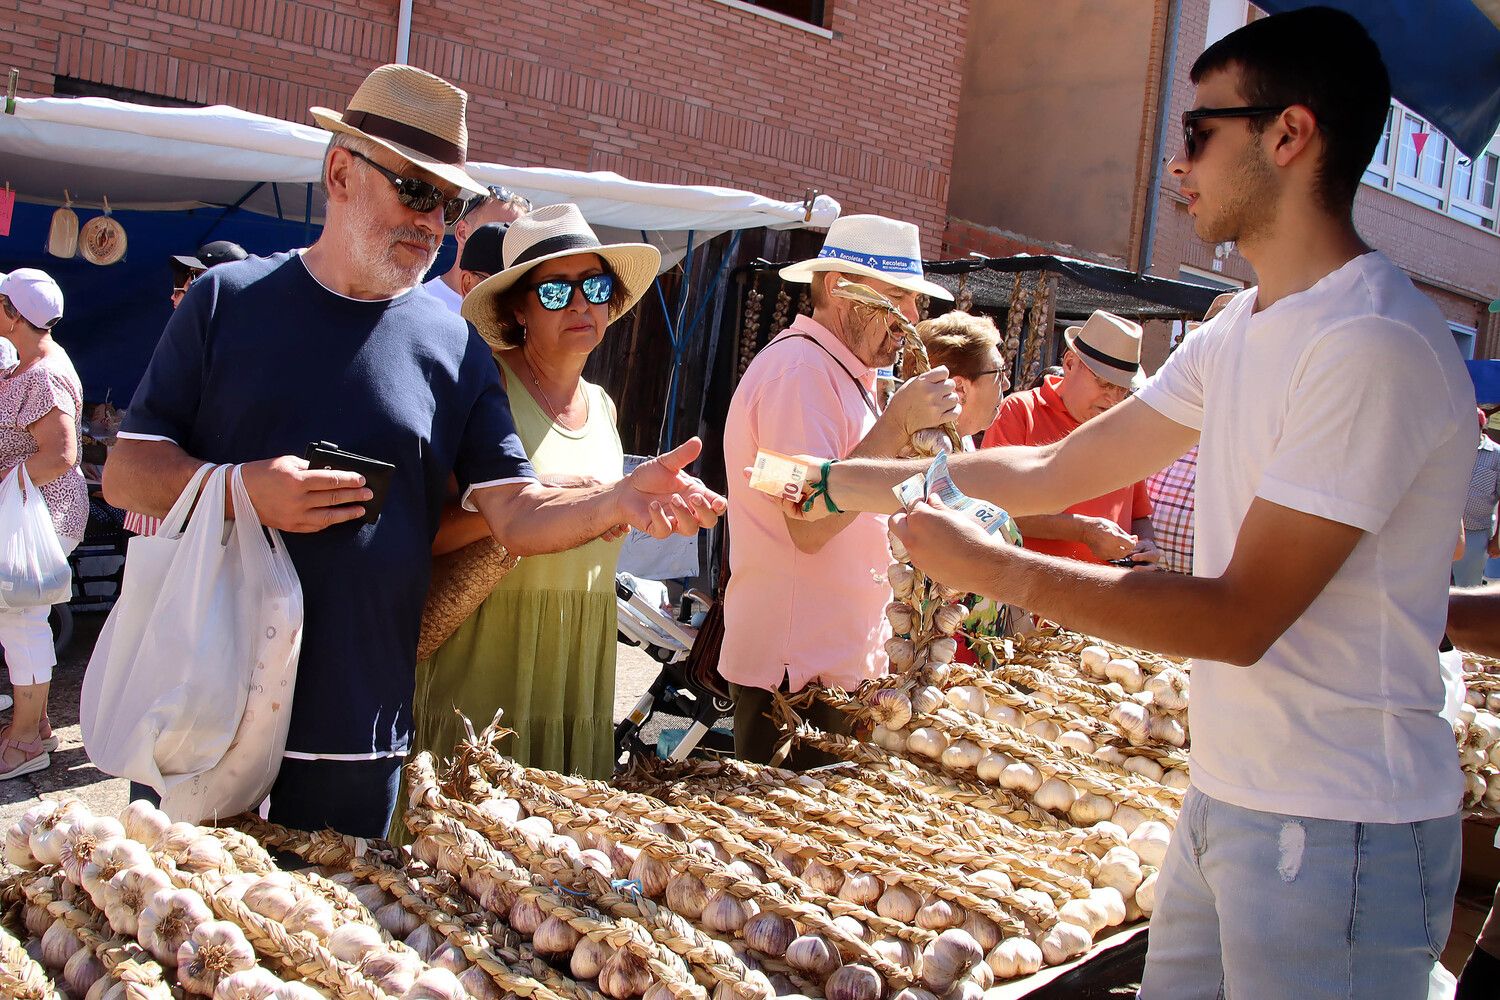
x=1443, y=57
x=1486, y=376
x=113, y=316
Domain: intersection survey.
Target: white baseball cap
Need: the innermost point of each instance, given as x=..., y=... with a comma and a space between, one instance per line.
x=35, y=296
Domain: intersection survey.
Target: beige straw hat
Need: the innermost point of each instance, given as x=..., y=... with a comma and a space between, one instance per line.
x=548, y=233
x=871, y=246
x=417, y=116
x=1110, y=347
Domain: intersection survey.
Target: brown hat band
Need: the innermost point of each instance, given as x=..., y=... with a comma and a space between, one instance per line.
x=407, y=135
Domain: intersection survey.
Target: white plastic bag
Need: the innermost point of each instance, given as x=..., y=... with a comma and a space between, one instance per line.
x=34, y=570
x=190, y=686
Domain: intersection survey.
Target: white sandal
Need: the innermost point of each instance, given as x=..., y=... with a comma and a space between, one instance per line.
x=39, y=760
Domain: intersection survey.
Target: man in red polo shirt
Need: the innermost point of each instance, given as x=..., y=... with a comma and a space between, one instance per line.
x=1101, y=366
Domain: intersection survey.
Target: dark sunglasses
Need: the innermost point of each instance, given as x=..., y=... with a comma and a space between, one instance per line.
x=505, y=194
x=1191, y=145
x=422, y=197
x=557, y=293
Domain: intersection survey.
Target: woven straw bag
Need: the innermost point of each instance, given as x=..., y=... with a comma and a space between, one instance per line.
x=460, y=582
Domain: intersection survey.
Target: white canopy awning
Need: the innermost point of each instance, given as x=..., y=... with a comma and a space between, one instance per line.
x=152, y=158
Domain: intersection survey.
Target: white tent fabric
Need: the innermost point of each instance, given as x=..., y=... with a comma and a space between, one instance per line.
x=152, y=158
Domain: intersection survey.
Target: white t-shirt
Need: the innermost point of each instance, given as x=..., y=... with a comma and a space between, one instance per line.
x=437, y=286
x=1348, y=401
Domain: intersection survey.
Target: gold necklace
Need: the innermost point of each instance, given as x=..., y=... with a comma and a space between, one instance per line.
x=531, y=371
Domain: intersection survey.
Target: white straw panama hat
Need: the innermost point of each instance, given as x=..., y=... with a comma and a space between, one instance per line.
x=548, y=233
x=1110, y=347
x=874, y=247
x=417, y=116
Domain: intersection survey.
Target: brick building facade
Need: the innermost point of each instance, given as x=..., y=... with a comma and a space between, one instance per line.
x=860, y=106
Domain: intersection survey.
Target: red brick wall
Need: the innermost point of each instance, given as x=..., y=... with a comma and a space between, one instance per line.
x=676, y=91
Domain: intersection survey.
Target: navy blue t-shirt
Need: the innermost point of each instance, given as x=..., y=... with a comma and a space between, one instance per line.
x=259, y=361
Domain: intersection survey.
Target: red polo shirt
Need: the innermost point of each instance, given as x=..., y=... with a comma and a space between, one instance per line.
x=1039, y=417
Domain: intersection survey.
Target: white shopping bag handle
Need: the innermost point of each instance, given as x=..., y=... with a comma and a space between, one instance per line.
x=175, y=523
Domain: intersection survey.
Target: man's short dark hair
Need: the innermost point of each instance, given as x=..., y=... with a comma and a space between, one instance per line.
x=1324, y=60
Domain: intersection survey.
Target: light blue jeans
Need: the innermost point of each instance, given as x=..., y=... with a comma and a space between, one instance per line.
x=1260, y=906
x=1468, y=569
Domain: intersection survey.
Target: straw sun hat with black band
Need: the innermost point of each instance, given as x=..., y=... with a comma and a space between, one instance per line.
x=413, y=114
x=548, y=233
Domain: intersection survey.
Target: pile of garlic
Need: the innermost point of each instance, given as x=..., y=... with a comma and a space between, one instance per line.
x=1477, y=732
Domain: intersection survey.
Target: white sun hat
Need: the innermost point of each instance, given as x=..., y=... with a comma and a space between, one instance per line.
x=1110, y=347
x=874, y=247
x=548, y=233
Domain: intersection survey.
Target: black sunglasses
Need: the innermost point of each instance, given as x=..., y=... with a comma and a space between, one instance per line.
x=557, y=293
x=505, y=194
x=1190, y=143
x=422, y=197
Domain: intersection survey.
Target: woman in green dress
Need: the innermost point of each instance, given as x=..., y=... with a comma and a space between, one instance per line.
x=542, y=645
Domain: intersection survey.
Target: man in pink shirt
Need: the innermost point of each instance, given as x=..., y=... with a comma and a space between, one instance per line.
x=805, y=600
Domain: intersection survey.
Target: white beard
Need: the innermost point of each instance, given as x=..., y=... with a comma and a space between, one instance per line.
x=378, y=245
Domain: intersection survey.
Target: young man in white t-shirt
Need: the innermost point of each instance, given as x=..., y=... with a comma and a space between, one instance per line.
x=1317, y=853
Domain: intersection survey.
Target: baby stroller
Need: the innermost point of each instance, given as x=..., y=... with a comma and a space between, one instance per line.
x=688, y=685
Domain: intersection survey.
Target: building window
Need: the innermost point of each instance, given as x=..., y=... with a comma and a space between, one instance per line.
x=1464, y=337
x=1438, y=176
x=811, y=11
x=68, y=86
x=1198, y=276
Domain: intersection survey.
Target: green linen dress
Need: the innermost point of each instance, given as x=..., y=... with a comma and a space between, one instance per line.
x=542, y=646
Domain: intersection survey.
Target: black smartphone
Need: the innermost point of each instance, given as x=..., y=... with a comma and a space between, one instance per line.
x=323, y=455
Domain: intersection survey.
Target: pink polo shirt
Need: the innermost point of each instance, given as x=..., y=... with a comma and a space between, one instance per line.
x=817, y=617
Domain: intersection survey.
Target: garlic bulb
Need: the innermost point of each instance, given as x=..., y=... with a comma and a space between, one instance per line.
x=685, y=895
x=902, y=579
x=1165, y=729
x=939, y=914
x=82, y=971
x=588, y=958
x=126, y=896
x=861, y=888
x=1093, y=659
x=271, y=897
x=725, y=913
x=526, y=914
x=991, y=765
x=948, y=618
x=652, y=875
x=312, y=915
x=351, y=942
x=47, y=833
x=1144, y=766
x=110, y=857
x=18, y=836
x=1065, y=941
x=1014, y=957
x=1021, y=778
x=1150, y=840
x=1005, y=714
x=79, y=841
x=901, y=616
x=902, y=652
x=898, y=903
x=144, y=822
x=624, y=975
x=889, y=708
x=927, y=741
x=397, y=920
x=854, y=982
x=1090, y=808
x=536, y=826
x=479, y=985
x=1044, y=729
x=554, y=937
x=823, y=877
x=436, y=984
x=1054, y=795
x=169, y=917
x=1111, y=901
x=1075, y=741
x=769, y=933
x=948, y=957
x=248, y=984
x=1126, y=673
x=424, y=941
x=1110, y=755
x=927, y=699
x=984, y=931
x=214, y=949
x=393, y=971
x=942, y=649
x=913, y=993
x=888, y=739
x=1088, y=913
x=1120, y=869
x=967, y=698
x=786, y=859
x=292, y=990
x=1169, y=689
x=962, y=755
x=1128, y=818
x=1176, y=777
x=451, y=957
x=812, y=955
x=58, y=945
x=1134, y=721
